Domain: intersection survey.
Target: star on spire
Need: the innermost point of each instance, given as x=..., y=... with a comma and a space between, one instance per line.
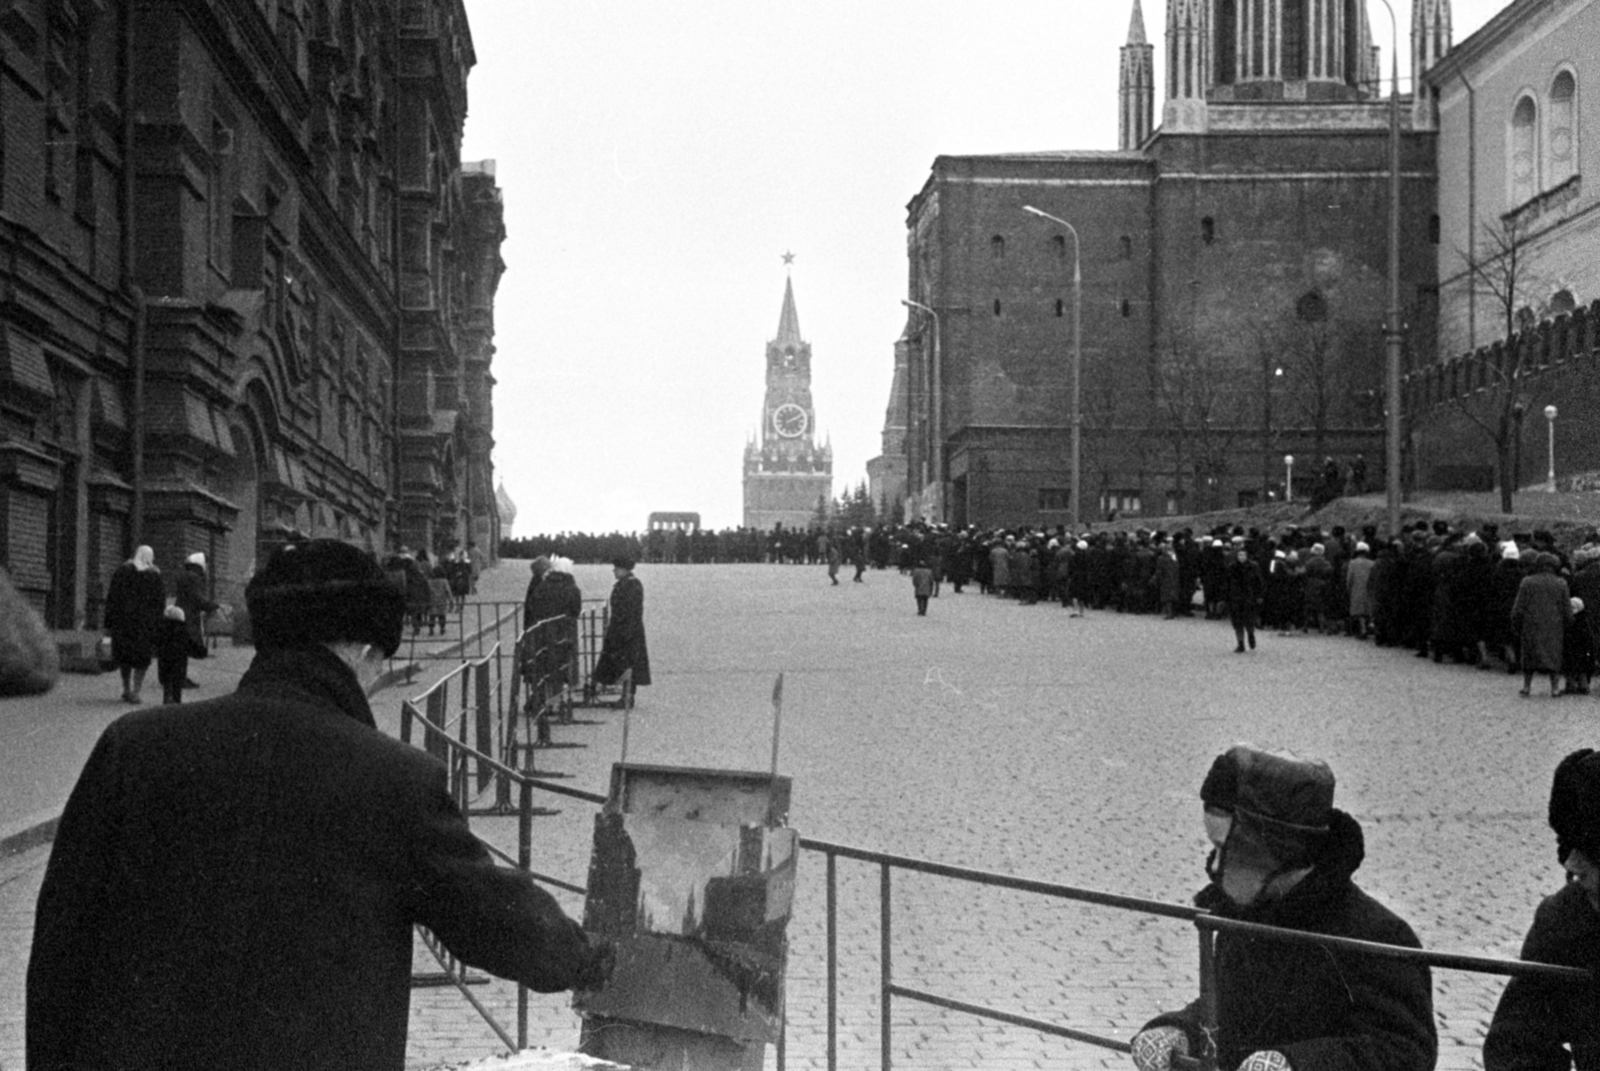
x=788, y=258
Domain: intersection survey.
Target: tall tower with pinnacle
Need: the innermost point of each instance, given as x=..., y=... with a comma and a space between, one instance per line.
x=1137, y=93
x=1430, y=41
x=1188, y=66
x=786, y=472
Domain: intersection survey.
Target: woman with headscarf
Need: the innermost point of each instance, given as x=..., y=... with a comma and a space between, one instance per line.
x=135, y=601
x=194, y=600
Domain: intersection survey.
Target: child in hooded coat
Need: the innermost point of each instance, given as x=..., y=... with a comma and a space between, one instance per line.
x=1577, y=651
x=172, y=654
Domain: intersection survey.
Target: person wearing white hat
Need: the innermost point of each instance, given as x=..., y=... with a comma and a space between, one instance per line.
x=194, y=599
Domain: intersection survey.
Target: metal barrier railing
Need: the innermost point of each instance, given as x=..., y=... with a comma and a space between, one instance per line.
x=471, y=771
x=1207, y=925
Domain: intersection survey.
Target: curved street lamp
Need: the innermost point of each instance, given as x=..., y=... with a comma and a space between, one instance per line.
x=1391, y=319
x=1077, y=362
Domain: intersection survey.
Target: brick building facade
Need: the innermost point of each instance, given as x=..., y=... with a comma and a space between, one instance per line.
x=1233, y=273
x=248, y=286
x=1519, y=130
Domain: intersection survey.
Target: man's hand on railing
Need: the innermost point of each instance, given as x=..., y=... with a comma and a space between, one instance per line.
x=602, y=958
x=1266, y=1060
x=1153, y=1048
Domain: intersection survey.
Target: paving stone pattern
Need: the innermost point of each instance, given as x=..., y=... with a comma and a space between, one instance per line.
x=1019, y=740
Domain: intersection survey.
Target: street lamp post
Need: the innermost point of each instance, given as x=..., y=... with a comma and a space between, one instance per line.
x=1288, y=477
x=935, y=405
x=1077, y=364
x=1550, y=476
x=1391, y=320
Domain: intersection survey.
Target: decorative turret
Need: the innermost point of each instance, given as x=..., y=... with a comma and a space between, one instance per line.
x=1188, y=65
x=1138, y=86
x=506, y=508
x=1430, y=43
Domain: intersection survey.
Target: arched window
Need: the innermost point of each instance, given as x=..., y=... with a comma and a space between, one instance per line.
x=997, y=306
x=1561, y=121
x=1061, y=307
x=1523, y=166
x=997, y=247
x=1208, y=230
x=1127, y=247
x=1058, y=245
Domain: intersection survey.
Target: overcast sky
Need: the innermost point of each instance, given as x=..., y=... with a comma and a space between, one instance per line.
x=658, y=159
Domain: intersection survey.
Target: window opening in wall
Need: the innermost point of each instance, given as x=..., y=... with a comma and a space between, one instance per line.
x=1433, y=228
x=1294, y=39
x=1562, y=129
x=1127, y=247
x=1059, y=244
x=1055, y=499
x=1524, y=162
x=997, y=306
x=1061, y=307
x=1127, y=308
x=1208, y=230
x=1227, y=41
x=1126, y=501
x=997, y=247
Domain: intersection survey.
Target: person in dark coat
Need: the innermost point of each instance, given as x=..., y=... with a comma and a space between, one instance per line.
x=1539, y=618
x=234, y=882
x=1577, y=651
x=1167, y=581
x=1546, y=1024
x=193, y=596
x=553, y=610
x=1284, y=856
x=623, y=647
x=135, y=601
x=172, y=654
x=1244, y=588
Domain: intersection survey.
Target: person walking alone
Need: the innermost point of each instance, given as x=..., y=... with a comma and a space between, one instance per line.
x=135, y=602
x=1245, y=588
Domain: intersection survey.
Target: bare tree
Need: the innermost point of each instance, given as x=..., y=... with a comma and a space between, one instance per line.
x=1505, y=275
x=1200, y=408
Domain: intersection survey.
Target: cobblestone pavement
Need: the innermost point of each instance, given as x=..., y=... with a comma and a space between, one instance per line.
x=1019, y=740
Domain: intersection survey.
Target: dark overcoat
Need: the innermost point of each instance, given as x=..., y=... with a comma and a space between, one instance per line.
x=1539, y=615
x=553, y=609
x=1325, y=1010
x=135, y=600
x=234, y=884
x=623, y=647
x=195, y=602
x=1537, y=1017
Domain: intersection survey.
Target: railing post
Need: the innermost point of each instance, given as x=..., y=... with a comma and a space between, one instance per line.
x=525, y=861
x=1208, y=994
x=833, y=964
x=885, y=998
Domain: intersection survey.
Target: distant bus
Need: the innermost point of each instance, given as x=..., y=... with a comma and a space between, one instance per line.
x=674, y=522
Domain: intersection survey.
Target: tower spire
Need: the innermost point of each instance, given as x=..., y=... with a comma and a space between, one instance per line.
x=1137, y=90
x=788, y=320
x=1430, y=43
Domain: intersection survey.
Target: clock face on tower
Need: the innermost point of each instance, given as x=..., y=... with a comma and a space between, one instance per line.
x=789, y=420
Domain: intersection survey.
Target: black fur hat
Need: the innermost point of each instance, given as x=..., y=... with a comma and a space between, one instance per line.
x=1575, y=804
x=324, y=591
x=1281, y=804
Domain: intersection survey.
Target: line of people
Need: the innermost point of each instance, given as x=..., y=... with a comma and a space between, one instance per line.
x=1519, y=604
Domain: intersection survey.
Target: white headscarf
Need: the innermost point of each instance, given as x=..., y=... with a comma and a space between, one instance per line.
x=144, y=558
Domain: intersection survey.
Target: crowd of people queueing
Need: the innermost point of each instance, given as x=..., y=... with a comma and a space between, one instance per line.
x=1517, y=603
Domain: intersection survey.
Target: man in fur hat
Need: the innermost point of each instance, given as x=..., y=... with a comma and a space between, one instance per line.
x=234, y=883
x=1546, y=1024
x=1283, y=856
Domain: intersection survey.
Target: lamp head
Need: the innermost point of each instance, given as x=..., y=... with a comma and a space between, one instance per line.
x=1549, y=412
